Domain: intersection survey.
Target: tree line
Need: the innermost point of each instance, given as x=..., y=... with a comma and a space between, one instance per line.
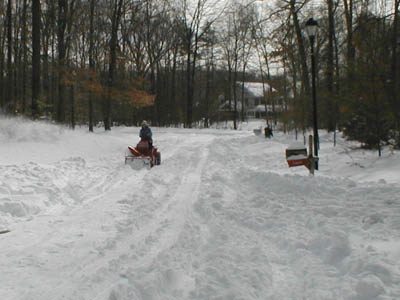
x=174, y=62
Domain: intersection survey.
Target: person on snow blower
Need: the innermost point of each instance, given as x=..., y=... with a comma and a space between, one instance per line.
x=146, y=134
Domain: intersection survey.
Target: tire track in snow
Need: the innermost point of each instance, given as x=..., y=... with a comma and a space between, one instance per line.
x=178, y=209
x=133, y=246
x=100, y=199
x=139, y=250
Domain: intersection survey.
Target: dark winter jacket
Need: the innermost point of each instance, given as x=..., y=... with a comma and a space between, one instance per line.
x=145, y=134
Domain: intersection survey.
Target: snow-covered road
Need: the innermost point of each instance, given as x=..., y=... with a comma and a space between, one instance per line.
x=222, y=217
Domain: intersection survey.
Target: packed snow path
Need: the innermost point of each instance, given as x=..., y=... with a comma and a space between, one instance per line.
x=222, y=217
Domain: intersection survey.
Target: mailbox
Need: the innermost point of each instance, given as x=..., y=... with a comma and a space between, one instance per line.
x=296, y=155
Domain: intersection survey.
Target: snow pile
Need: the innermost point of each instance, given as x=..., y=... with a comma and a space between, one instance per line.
x=222, y=217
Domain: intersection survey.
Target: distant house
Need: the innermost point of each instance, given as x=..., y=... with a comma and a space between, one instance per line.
x=253, y=100
x=226, y=110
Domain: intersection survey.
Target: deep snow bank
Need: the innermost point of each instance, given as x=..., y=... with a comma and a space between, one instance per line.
x=43, y=166
x=23, y=141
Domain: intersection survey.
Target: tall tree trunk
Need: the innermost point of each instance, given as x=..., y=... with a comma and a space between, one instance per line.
x=69, y=23
x=270, y=96
x=48, y=73
x=348, y=9
x=2, y=83
x=193, y=34
x=230, y=93
x=394, y=43
x=394, y=81
x=302, y=51
x=192, y=79
x=235, y=108
x=329, y=69
x=9, y=87
x=61, y=26
x=72, y=106
x=24, y=56
x=245, y=57
x=207, y=96
x=117, y=11
x=173, y=113
x=35, y=57
x=242, y=95
x=17, y=60
x=285, y=92
x=54, y=80
x=209, y=79
x=159, y=112
x=300, y=116
x=189, y=100
x=153, y=86
x=91, y=62
x=337, y=88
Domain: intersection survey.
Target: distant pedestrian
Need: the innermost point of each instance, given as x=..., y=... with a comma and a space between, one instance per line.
x=268, y=132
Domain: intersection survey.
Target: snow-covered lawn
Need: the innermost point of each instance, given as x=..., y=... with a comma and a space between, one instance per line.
x=222, y=217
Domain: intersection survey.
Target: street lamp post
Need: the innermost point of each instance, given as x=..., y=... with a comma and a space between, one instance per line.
x=311, y=29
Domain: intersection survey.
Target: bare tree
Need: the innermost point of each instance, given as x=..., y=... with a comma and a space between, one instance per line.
x=246, y=23
x=10, y=73
x=348, y=9
x=61, y=27
x=232, y=50
x=192, y=16
x=330, y=67
x=35, y=57
x=236, y=50
x=24, y=54
x=91, y=61
x=394, y=73
x=116, y=15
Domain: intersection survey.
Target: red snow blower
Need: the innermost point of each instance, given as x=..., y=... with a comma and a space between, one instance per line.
x=142, y=152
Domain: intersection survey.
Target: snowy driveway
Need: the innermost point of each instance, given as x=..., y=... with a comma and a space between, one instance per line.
x=222, y=217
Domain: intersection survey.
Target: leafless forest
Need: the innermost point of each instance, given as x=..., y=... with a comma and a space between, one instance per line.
x=174, y=62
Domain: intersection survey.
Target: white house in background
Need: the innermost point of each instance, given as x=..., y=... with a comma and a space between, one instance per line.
x=253, y=99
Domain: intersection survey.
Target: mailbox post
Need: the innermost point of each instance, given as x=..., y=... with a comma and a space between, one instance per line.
x=311, y=160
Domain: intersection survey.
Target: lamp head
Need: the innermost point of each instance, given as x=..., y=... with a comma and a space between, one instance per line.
x=311, y=28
